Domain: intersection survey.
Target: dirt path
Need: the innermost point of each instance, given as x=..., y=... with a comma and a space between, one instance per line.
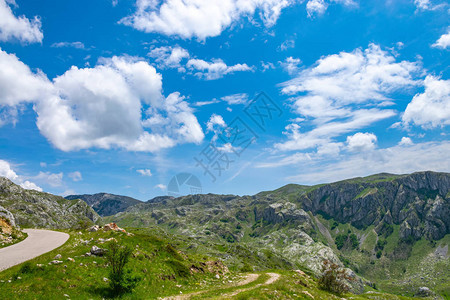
x=37, y=243
x=248, y=279
x=273, y=277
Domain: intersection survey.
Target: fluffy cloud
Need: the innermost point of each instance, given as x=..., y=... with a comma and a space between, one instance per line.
x=358, y=76
x=234, y=99
x=145, y=172
x=101, y=106
x=177, y=58
x=175, y=118
x=318, y=7
x=431, y=108
x=18, y=85
x=330, y=89
x=324, y=133
x=215, y=124
x=291, y=65
x=360, y=142
x=406, y=141
x=161, y=186
x=75, y=176
x=169, y=57
x=8, y=172
x=19, y=28
x=215, y=69
x=215, y=120
x=444, y=41
x=199, y=18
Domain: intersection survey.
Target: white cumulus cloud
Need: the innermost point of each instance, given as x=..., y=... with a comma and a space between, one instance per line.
x=343, y=93
x=360, y=142
x=215, y=69
x=8, y=172
x=444, y=41
x=169, y=57
x=18, y=28
x=116, y=104
x=200, y=18
x=431, y=108
x=406, y=141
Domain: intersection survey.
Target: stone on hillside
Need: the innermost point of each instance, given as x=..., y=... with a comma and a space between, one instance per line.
x=55, y=262
x=94, y=228
x=71, y=259
x=113, y=227
x=7, y=215
x=282, y=212
x=97, y=251
x=58, y=256
x=423, y=292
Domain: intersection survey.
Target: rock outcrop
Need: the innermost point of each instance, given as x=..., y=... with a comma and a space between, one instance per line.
x=37, y=209
x=106, y=204
x=419, y=202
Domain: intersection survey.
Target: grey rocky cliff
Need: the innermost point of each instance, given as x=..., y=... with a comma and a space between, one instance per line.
x=4, y=213
x=37, y=209
x=106, y=204
x=418, y=202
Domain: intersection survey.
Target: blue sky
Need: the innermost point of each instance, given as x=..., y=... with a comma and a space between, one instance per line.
x=120, y=96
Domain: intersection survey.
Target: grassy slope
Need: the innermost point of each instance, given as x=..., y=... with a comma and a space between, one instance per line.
x=154, y=261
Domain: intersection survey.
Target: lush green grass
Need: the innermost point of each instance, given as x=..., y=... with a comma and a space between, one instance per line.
x=164, y=270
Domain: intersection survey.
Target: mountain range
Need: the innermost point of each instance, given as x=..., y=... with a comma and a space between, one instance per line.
x=391, y=231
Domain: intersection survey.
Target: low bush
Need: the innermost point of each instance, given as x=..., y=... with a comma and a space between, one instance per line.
x=121, y=280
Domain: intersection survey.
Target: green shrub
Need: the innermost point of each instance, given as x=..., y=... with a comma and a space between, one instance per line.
x=334, y=225
x=340, y=240
x=380, y=244
x=178, y=267
x=379, y=253
x=354, y=241
x=27, y=268
x=121, y=280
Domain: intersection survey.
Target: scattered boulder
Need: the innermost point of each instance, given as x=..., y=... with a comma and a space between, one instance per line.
x=215, y=267
x=423, y=292
x=101, y=240
x=94, y=228
x=55, y=262
x=97, y=251
x=58, y=256
x=71, y=259
x=113, y=227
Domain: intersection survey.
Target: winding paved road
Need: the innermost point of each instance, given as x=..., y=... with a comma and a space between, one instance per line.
x=37, y=243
